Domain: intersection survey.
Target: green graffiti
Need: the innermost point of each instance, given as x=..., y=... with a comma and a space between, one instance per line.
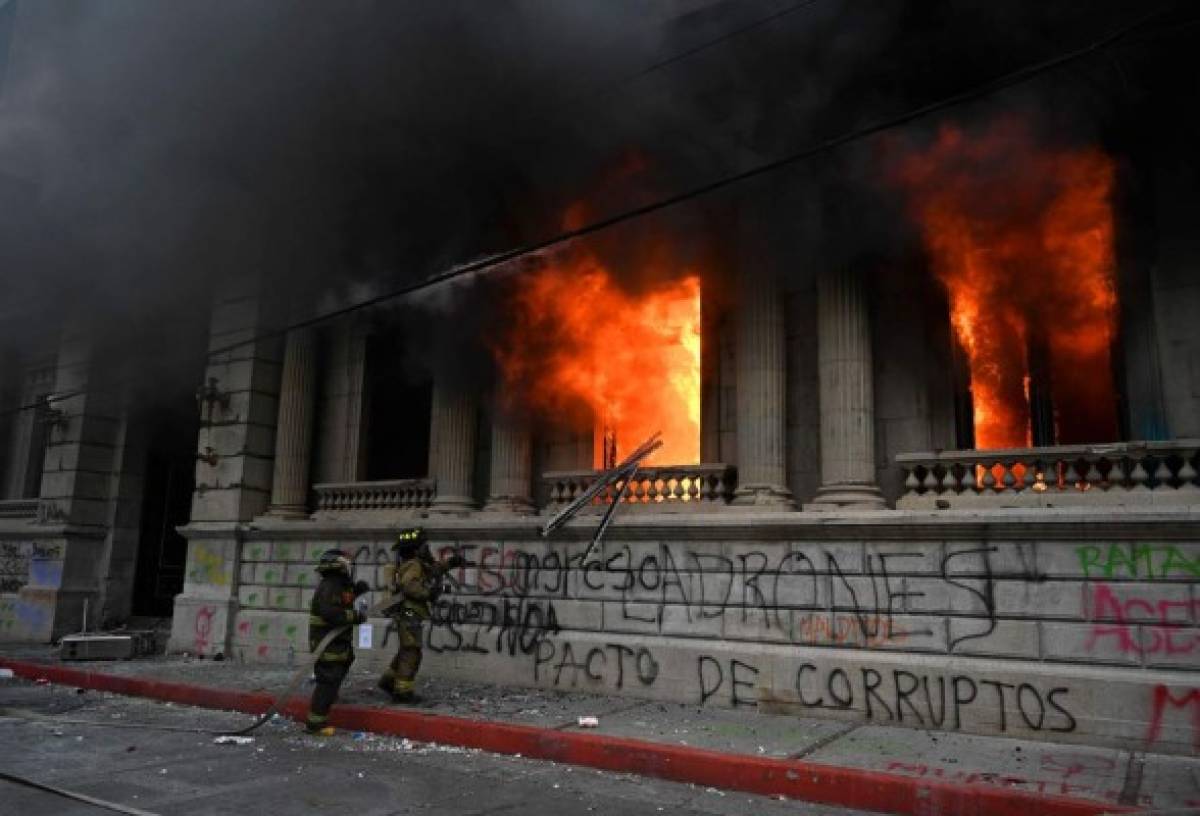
x=1137, y=561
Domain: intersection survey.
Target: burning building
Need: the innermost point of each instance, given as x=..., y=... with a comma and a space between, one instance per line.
x=931, y=414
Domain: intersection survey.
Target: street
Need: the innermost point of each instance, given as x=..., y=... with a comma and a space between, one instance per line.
x=284, y=771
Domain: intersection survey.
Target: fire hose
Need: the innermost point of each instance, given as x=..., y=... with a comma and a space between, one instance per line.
x=294, y=683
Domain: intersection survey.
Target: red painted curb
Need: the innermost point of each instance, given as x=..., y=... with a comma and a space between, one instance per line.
x=807, y=781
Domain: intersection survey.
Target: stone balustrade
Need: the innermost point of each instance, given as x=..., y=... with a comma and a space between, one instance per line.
x=1113, y=474
x=394, y=494
x=667, y=488
x=18, y=508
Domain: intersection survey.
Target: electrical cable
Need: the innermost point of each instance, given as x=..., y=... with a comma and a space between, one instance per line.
x=492, y=262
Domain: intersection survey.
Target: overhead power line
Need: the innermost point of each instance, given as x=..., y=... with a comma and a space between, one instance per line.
x=1017, y=77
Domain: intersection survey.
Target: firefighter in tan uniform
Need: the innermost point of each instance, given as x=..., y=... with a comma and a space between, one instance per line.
x=416, y=581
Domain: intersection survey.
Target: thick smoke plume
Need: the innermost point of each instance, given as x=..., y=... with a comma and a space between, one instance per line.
x=150, y=148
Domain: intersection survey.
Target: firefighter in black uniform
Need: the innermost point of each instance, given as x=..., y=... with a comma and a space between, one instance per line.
x=416, y=581
x=332, y=607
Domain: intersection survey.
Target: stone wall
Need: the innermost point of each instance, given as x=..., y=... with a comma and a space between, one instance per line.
x=1060, y=628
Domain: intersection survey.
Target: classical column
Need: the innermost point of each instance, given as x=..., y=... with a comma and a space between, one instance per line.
x=512, y=465
x=847, y=393
x=761, y=345
x=452, y=447
x=293, y=431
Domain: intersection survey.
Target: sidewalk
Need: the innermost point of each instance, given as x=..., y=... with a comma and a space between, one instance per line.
x=869, y=767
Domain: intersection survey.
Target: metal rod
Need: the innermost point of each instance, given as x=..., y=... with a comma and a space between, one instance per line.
x=611, y=511
x=602, y=482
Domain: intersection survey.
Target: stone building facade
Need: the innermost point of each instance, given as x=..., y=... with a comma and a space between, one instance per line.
x=836, y=551
x=832, y=555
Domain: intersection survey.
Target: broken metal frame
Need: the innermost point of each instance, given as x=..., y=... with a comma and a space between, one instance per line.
x=624, y=473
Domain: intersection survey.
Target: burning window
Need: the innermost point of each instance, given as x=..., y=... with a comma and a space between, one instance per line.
x=1022, y=238
x=580, y=345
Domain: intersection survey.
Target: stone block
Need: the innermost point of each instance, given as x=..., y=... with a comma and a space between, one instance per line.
x=201, y=626
x=313, y=550
x=1171, y=646
x=1092, y=643
x=760, y=625
x=253, y=596
x=285, y=598
x=1014, y=559
x=1061, y=600
x=268, y=573
x=833, y=556
x=996, y=638
x=794, y=585
x=288, y=551
x=897, y=558
x=256, y=550
x=223, y=504
x=303, y=575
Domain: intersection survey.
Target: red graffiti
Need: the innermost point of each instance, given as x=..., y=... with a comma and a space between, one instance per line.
x=203, y=628
x=1060, y=787
x=1160, y=700
x=1068, y=765
x=263, y=649
x=1164, y=637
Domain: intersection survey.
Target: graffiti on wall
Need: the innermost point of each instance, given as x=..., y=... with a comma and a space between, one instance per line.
x=14, y=565
x=206, y=566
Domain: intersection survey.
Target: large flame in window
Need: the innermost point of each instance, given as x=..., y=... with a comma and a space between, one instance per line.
x=1022, y=238
x=630, y=360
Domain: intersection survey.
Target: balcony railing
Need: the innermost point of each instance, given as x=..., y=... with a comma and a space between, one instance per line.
x=18, y=508
x=673, y=488
x=395, y=494
x=1121, y=473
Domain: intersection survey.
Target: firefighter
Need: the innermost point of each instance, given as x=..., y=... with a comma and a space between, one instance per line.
x=332, y=607
x=416, y=581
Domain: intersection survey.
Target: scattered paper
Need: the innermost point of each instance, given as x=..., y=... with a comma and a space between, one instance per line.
x=365, y=631
x=588, y=722
x=232, y=740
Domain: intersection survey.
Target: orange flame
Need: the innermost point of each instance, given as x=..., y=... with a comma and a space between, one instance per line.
x=631, y=361
x=1022, y=238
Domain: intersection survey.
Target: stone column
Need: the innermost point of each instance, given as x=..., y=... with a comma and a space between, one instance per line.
x=761, y=345
x=293, y=431
x=847, y=394
x=452, y=447
x=512, y=465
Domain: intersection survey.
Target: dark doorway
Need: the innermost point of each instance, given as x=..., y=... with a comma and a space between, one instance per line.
x=399, y=404
x=169, y=418
x=166, y=504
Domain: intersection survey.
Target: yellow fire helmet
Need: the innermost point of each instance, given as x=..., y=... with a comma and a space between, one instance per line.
x=409, y=541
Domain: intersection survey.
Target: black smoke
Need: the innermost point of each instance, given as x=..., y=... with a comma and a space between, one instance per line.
x=148, y=149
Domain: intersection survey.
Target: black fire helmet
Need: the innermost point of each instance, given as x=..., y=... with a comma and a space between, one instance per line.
x=334, y=561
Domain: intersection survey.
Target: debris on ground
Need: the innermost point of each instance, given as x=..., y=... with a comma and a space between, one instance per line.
x=589, y=722
x=230, y=739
